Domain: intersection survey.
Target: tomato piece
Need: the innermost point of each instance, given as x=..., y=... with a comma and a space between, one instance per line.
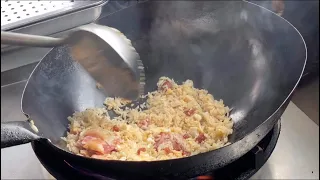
x=140, y=150
x=108, y=148
x=115, y=128
x=186, y=153
x=201, y=138
x=189, y=112
x=175, y=140
x=186, y=136
x=177, y=146
x=161, y=138
x=166, y=85
x=167, y=150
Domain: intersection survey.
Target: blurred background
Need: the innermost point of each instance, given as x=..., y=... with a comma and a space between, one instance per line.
x=304, y=15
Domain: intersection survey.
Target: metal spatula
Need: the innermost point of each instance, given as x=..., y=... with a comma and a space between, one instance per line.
x=106, y=54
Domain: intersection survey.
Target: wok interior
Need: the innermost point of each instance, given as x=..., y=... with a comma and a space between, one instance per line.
x=239, y=52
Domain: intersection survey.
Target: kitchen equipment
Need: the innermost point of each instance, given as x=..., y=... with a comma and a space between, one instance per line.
x=241, y=169
x=242, y=53
x=104, y=52
x=46, y=17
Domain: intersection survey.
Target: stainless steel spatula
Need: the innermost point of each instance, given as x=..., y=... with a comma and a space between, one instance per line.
x=106, y=54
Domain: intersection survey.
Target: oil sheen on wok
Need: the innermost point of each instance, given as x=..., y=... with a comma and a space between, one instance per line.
x=175, y=121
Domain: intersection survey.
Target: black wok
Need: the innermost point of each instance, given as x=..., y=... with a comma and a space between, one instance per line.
x=241, y=53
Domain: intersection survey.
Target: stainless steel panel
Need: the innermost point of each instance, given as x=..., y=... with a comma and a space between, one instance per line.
x=83, y=12
x=296, y=155
x=19, y=13
x=21, y=57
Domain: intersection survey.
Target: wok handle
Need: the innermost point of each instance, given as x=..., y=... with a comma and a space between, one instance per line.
x=16, y=133
x=18, y=39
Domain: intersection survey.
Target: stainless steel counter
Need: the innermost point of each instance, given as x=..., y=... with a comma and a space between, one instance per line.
x=296, y=155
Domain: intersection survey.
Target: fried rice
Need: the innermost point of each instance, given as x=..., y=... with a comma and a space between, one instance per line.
x=175, y=121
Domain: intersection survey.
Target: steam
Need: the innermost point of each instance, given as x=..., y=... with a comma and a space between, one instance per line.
x=220, y=45
x=194, y=32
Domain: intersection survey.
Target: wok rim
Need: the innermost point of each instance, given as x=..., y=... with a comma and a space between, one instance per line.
x=60, y=150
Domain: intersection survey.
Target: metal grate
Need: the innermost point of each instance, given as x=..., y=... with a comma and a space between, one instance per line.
x=14, y=11
x=18, y=13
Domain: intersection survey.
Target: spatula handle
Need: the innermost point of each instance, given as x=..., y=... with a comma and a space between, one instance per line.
x=18, y=39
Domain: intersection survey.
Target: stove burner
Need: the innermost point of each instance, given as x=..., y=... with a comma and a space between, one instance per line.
x=205, y=178
x=243, y=168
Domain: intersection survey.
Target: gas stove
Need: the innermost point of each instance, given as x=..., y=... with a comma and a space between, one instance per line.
x=243, y=168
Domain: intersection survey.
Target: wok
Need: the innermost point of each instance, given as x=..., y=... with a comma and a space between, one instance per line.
x=238, y=51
